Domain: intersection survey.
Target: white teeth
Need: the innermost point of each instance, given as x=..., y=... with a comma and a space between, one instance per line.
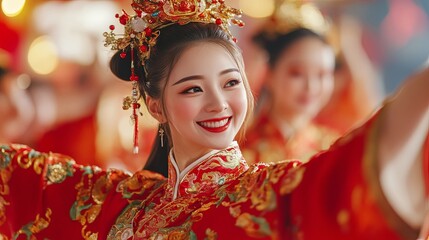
x=216, y=124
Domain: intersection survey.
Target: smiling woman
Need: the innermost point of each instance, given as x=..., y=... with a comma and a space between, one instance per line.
x=205, y=110
x=191, y=77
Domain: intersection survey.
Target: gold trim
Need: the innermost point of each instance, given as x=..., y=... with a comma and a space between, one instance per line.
x=371, y=173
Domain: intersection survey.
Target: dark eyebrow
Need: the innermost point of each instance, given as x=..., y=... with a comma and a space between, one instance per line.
x=199, y=77
x=193, y=77
x=229, y=70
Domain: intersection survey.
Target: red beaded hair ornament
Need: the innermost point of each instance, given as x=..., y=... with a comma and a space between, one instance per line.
x=142, y=31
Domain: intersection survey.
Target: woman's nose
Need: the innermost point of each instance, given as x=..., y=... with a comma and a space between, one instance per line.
x=216, y=102
x=312, y=84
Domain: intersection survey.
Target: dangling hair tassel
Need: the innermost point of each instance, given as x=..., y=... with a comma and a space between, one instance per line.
x=136, y=106
x=136, y=129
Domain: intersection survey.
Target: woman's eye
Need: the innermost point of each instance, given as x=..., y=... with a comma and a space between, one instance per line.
x=232, y=83
x=192, y=90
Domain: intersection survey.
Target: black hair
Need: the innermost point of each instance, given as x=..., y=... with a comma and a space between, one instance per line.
x=276, y=44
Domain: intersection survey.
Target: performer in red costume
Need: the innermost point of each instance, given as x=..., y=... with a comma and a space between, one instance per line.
x=298, y=83
x=182, y=58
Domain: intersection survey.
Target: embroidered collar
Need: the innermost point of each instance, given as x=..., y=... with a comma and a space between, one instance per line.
x=209, y=171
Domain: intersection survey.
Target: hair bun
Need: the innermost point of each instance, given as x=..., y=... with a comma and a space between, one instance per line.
x=120, y=64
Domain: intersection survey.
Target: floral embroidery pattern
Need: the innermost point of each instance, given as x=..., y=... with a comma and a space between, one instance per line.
x=5, y=175
x=254, y=226
x=180, y=232
x=91, y=193
x=223, y=182
x=139, y=183
x=40, y=223
x=123, y=227
x=25, y=159
x=58, y=172
x=134, y=189
x=219, y=197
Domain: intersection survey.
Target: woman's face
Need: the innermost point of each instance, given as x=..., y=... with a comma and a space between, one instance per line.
x=301, y=82
x=205, y=99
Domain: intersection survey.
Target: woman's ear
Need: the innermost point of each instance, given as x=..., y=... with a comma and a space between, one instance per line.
x=155, y=109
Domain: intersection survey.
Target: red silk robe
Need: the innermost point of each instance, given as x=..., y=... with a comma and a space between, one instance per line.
x=75, y=138
x=265, y=143
x=334, y=196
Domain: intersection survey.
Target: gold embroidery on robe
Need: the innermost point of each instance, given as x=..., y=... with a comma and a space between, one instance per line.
x=40, y=223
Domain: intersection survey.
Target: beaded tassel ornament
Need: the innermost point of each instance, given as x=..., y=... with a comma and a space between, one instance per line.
x=133, y=102
x=141, y=31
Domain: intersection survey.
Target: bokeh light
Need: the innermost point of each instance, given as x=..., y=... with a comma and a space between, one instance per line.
x=12, y=8
x=42, y=56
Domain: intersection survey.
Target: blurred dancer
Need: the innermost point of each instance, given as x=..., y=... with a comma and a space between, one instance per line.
x=298, y=84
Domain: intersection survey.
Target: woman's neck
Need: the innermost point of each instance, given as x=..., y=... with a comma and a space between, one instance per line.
x=184, y=158
x=289, y=124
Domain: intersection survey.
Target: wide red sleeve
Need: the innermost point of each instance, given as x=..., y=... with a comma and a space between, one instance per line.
x=48, y=196
x=340, y=196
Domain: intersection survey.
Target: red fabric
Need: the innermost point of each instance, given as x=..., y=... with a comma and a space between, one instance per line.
x=338, y=196
x=74, y=138
x=331, y=197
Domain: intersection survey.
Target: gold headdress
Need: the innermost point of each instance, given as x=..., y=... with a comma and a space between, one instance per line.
x=292, y=14
x=142, y=30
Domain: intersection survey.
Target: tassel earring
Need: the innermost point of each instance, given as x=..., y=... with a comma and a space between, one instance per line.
x=161, y=134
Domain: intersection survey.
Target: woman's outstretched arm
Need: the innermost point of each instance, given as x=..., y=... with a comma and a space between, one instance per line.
x=403, y=130
x=371, y=183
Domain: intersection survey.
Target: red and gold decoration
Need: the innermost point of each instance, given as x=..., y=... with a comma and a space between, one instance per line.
x=132, y=102
x=142, y=28
x=336, y=195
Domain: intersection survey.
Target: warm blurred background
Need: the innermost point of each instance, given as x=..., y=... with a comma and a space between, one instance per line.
x=57, y=94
